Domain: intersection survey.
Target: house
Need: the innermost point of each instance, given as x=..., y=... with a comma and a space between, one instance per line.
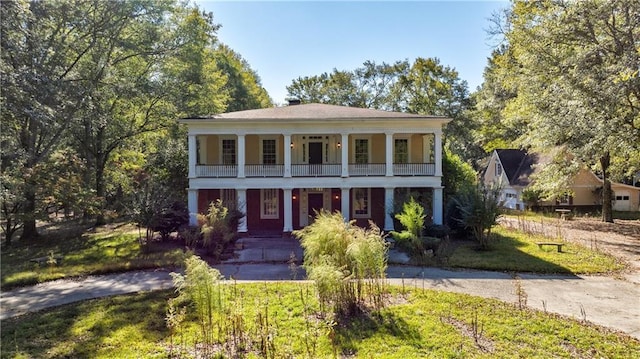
x=280, y=165
x=513, y=169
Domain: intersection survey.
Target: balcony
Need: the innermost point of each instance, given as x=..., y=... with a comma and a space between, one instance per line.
x=317, y=170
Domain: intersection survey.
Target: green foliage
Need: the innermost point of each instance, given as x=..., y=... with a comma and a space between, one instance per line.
x=479, y=209
x=218, y=228
x=531, y=197
x=346, y=262
x=458, y=175
x=412, y=218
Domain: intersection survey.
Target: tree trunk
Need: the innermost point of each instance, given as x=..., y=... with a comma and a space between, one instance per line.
x=100, y=218
x=29, y=230
x=607, y=208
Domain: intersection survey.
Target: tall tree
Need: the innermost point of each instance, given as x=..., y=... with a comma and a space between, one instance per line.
x=578, y=81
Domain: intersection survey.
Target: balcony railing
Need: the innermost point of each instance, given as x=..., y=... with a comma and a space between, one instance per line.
x=317, y=170
x=217, y=171
x=264, y=170
x=414, y=169
x=367, y=169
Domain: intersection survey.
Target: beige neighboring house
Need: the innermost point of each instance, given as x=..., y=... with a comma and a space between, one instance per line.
x=513, y=169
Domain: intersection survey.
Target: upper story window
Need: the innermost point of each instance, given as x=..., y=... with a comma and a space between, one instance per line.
x=498, y=169
x=401, y=150
x=361, y=150
x=269, y=152
x=228, y=152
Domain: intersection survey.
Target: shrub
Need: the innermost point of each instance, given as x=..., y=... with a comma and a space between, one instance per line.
x=346, y=262
x=170, y=219
x=216, y=227
x=412, y=219
x=478, y=210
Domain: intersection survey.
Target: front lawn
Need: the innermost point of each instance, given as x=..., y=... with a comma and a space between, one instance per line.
x=101, y=251
x=281, y=320
x=512, y=250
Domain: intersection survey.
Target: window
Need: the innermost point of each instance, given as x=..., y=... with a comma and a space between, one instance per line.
x=228, y=152
x=622, y=198
x=361, y=202
x=269, y=152
x=269, y=204
x=228, y=197
x=401, y=150
x=498, y=169
x=361, y=150
x=566, y=199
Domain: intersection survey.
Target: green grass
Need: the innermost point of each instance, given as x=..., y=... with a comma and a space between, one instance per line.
x=512, y=250
x=106, y=251
x=416, y=324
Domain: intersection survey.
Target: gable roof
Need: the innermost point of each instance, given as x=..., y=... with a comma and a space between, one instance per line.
x=518, y=165
x=314, y=111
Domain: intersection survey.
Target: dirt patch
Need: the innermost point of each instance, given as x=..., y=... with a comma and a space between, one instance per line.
x=620, y=239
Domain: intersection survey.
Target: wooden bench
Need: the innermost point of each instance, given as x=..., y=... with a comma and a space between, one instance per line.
x=45, y=260
x=564, y=214
x=559, y=245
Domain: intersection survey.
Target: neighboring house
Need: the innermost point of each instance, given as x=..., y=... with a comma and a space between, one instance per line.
x=513, y=169
x=280, y=165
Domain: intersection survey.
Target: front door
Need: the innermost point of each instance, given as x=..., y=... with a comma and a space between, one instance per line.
x=316, y=203
x=315, y=158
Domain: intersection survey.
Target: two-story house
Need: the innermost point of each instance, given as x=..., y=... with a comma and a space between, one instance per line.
x=280, y=165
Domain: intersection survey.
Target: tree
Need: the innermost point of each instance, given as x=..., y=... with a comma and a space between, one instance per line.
x=578, y=81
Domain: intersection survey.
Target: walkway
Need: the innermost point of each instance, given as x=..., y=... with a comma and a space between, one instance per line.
x=601, y=300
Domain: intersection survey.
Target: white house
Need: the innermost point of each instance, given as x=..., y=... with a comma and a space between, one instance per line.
x=279, y=165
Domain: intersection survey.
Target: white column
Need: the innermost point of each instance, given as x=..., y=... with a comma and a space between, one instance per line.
x=438, y=151
x=388, y=208
x=288, y=208
x=344, y=203
x=389, y=152
x=344, y=148
x=242, y=205
x=241, y=156
x=192, y=205
x=193, y=147
x=287, y=155
x=437, y=205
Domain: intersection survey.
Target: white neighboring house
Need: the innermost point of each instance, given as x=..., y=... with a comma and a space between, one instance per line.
x=510, y=169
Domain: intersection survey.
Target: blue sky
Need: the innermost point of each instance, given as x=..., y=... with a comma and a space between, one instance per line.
x=284, y=40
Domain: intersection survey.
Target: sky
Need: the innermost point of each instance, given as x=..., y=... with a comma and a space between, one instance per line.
x=284, y=40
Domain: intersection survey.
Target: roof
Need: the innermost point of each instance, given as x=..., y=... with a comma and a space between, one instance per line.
x=518, y=165
x=314, y=111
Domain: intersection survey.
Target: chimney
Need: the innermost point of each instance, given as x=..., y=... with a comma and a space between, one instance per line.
x=294, y=101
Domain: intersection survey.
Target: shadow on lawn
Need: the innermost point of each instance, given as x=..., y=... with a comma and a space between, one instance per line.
x=367, y=325
x=504, y=254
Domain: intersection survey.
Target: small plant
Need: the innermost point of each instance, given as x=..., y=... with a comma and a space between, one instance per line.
x=412, y=219
x=218, y=228
x=479, y=209
x=520, y=293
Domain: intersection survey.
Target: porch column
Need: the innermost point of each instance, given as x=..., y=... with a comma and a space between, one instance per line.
x=437, y=205
x=438, y=151
x=388, y=209
x=344, y=203
x=288, y=208
x=344, y=151
x=242, y=206
x=287, y=156
x=193, y=147
x=389, y=153
x=192, y=205
x=241, y=155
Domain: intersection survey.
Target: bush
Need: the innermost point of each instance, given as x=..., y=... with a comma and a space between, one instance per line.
x=216, y=227
x=478, y=210
x=170, y=219
x=412, y=219
x=346, y=262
